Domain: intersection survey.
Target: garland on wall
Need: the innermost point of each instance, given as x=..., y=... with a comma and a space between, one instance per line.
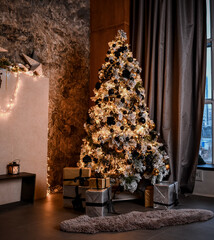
x=6, y=64
x=12, y=99
x=9, y=67
x=32, y=68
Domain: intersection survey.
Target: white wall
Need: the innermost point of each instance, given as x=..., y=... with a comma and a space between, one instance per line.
x=205, y=186
x=23, y=135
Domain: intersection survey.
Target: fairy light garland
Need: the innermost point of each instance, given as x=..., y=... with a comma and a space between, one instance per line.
x=12, y=101
x=6, y=81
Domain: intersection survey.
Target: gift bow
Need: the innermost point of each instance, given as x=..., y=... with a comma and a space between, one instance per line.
x=80, y=178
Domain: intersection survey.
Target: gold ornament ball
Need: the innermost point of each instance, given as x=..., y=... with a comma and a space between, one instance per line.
x=151, y=125
x=118, y=151
x=167, y=167
x=155, y=172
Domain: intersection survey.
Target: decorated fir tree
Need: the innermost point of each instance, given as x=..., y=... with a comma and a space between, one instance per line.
x=121, y=141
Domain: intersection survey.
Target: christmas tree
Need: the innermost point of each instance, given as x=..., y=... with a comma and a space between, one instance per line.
x=121, y=139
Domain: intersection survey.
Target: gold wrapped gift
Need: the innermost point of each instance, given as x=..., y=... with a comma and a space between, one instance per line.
x=149, y=196
x=73, y=176
x=99, y=183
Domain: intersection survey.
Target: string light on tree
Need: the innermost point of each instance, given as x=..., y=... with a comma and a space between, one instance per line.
x=121, y=141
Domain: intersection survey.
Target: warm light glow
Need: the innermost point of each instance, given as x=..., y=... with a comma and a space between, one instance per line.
x=4, y=113
x=120, y=142
x=48, y=193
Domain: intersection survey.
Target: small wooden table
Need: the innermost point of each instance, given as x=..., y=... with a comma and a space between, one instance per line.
x=28, y=185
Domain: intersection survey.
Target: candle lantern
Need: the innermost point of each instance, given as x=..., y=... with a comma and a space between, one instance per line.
x=13, y=167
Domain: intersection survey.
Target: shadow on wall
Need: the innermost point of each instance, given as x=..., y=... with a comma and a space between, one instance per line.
x=57, y=33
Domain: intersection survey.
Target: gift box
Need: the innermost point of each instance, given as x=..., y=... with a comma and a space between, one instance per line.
x=99, y=183
x=74, y=196
x=149, y=191
x=76, y=176
x=165, y=195
x=98, y=202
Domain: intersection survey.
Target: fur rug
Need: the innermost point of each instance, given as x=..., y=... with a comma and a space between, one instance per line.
x=135, y=220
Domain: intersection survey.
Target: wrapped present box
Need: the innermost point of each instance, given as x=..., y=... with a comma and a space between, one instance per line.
x=149, y=191
x=99, y=183
x=76, y=176
x=165, y=195
x=74, y=197
x=98, y=202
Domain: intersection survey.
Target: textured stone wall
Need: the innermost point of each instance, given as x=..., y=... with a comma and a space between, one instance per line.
x=58, y=33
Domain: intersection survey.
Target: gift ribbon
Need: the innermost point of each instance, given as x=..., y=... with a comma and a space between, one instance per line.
x=77, y=200
x=80, y=178
x=108, y=203
x=164, y=204
x=77, y=203
x=176, y=202
x=97, y=182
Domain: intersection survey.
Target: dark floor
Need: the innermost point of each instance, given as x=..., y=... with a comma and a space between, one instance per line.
x=41, y=221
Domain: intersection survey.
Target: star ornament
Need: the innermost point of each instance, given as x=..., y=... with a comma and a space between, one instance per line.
x=35, y=66
x=3, y=50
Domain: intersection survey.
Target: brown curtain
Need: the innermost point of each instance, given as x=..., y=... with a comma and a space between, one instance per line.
x=169, y=40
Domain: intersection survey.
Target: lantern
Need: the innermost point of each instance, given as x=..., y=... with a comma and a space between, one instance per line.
x=14, y=167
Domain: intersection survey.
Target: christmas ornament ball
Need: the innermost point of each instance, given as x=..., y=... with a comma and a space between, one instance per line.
x=87, y=159
x=111, y=92
x=167, y=166
x=129, y=161
x=122, y=100
x=149, y=148
x=97, y=86
x=155, y=172
x=110, y=121
x=142, y=120
x=118, y=150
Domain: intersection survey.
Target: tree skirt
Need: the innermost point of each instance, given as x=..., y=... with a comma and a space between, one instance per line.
x=135, y=220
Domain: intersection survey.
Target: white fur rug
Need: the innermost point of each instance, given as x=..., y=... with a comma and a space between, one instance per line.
x=135, y=220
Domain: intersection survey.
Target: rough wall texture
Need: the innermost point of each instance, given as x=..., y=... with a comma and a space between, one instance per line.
x=58, y=33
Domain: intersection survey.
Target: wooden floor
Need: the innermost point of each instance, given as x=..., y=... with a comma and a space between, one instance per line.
x=41, y=221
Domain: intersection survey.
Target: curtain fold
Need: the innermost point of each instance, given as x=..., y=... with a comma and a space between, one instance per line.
x=168, y=38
